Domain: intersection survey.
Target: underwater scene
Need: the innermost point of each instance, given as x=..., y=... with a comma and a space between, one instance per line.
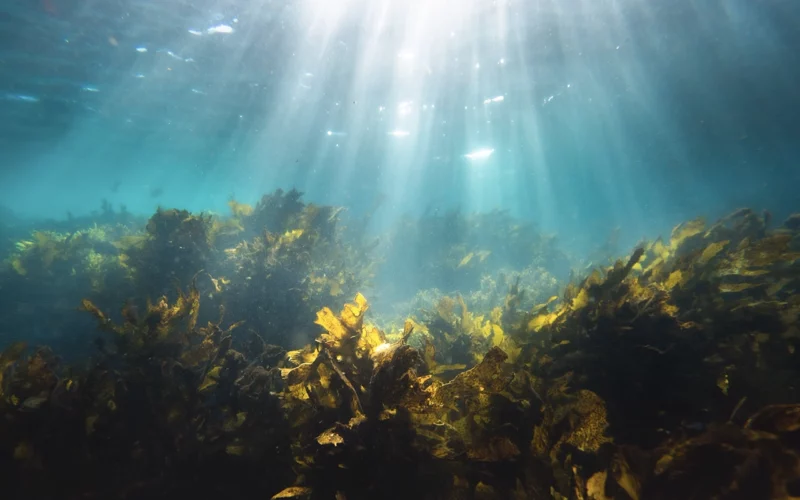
x=385, y=249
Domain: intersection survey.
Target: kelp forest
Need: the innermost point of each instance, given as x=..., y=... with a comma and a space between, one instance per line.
x=267, y=353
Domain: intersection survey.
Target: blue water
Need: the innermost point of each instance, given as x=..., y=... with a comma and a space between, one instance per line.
x=625, y=113
x=484, y=154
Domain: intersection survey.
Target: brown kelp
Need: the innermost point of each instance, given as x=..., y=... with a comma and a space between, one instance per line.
x=296, y=261
x=160, y=402
x=454, y=251
x=48, y=271
x=680, y=337
x=272, y=265
x=175, y=246
x=669, y=374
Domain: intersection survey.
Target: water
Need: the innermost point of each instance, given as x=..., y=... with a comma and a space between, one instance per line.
x=612, y=112
x=467, y=143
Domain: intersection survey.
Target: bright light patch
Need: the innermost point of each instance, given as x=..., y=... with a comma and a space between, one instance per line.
x=173, y=55
x=399, y=133
x=381, y=348
x=223, y=29
x=494, y=99
x=404, y=108
x=21, y=98
x=405, y=55
x=479, y=154
x=141, y=49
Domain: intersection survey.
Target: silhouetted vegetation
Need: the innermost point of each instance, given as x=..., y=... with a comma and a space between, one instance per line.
x=221, y=369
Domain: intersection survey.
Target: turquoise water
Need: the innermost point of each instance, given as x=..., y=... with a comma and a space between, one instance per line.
x=368, y=249
x=597, y=123
x=596, y=114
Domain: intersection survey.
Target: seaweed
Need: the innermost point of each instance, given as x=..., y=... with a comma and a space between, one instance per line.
x=452, y=251
x=372, y=415
x=272, y=265
x=167, y=401
x=175, y=247
x=670, y=373
x=48, y=272
x=679, y=335
x=296, y=263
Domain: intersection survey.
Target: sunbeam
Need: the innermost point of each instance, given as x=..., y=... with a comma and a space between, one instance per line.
x=399, y=249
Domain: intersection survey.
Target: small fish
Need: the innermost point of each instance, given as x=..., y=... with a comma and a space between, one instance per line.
x=156, y=192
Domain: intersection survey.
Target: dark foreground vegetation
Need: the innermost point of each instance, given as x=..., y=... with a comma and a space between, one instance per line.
x=232, y=357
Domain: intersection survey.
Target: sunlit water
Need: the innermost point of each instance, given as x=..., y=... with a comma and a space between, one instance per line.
x=578, y=115
x=497, y=153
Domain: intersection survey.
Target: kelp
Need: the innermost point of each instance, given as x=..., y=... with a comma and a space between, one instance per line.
x=677, y=337
x=345, y=414
x=370, y=415
x=453, y=251
x=158, y=325
x=49, y=271
x=455, y=338
x=163, y=395
x=85, y=258
x=758, y=460
x=272, y=265
x=669, y=374
x=494, y=312
x=175, y=247
x=276, y=211
x=295, y=263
